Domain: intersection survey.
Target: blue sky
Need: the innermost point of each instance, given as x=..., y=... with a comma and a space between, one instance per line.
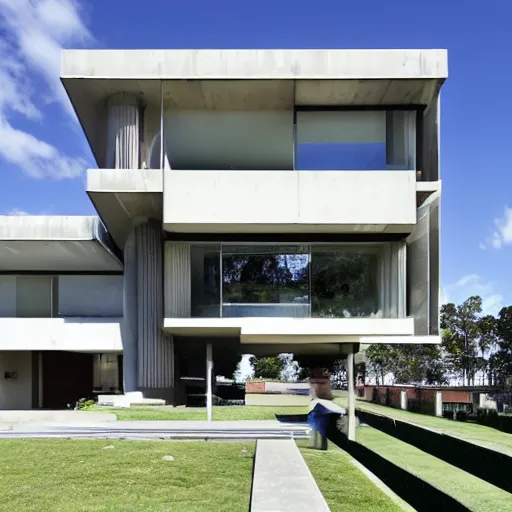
x=43, y=153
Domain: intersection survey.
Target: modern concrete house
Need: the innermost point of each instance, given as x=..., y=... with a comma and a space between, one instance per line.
x=261, y=201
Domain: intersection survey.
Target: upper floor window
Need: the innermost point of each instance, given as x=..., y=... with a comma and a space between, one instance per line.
x=355, y=140
x=34, y=296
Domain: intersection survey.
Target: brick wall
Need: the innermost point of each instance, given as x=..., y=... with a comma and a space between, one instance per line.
x=461, y=397
x=255, y=387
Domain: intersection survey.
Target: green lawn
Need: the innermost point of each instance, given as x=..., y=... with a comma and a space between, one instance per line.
x=472, y=492
x=479, y=434
x=82, y=476
x=219, y=413
x=345, y=487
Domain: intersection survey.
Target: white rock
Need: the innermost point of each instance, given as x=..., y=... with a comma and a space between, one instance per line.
x=109, y=447
x=169, y=458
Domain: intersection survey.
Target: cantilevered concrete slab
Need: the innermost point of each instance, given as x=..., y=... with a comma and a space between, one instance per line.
x=245, y=80
x=120, y=196
x=56, y=244
x=271, y=330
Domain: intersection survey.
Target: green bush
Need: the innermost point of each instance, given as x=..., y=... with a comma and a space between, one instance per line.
x=84, y=404
x=491, y=418
x=448, y=414
x=461, y=416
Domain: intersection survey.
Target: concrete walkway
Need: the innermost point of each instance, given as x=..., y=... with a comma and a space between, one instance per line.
x=158, y=430
x=62, y=417
x=282, y=481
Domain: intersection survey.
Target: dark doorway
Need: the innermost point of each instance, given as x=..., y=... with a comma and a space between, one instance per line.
x=67, y=377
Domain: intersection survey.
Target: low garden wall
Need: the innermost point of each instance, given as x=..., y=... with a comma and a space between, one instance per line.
x=419, y=399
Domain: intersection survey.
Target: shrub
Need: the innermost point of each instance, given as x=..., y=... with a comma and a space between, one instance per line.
x=448, y=414
x=491, y=418
x=84, y=404
x=461, y=416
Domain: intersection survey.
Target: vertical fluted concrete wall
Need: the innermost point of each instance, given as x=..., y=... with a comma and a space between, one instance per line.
x=177, y=280
x=123, y=132
x=129, y=330
x=155, y=349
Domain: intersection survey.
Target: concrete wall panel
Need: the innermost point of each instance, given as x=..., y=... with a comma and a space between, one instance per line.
x=201, y=200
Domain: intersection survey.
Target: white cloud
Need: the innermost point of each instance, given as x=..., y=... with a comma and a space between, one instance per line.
x=17, y=212
x=501, y=234
x=473, y=284
x=34, y=32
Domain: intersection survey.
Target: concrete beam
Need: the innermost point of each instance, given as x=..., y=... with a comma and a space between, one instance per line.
x=251, y=64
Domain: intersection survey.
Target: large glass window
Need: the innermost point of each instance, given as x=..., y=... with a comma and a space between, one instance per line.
x=265, y=281
x=344, y=282
x=298, y=281
x=355, y=140
x=34, y=296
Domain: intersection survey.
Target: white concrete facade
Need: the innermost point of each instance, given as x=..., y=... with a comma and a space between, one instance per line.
x=225, y=149
x=295, y=202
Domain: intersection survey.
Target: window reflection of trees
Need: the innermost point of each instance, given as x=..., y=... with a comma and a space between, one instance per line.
x=266, y=275
x=344, y=284
x=297, y=281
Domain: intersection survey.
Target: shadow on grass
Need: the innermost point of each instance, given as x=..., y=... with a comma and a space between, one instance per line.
x=416, y=492
x=489, y=465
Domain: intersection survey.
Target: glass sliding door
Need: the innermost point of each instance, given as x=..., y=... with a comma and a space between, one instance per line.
x=345, y=281
x=265, y=280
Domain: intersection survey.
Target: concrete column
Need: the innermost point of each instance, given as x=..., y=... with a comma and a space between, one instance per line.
x=155, y=349
x=439, y=403
x=403, y=400
x=351, y=397
x=129, y=331
x=123, y=131
x=209, y=381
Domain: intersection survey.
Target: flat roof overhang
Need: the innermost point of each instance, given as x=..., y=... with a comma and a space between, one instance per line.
x=248, y=80
x=56, y=244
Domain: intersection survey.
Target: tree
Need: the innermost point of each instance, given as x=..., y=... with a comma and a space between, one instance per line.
x=408, y=363
x=380, y=360
x=487, y=341
x=420, y=364
x=501, y=361
x=290, y=369
x=267, y=367
x=339, y=373
x=461, y=333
